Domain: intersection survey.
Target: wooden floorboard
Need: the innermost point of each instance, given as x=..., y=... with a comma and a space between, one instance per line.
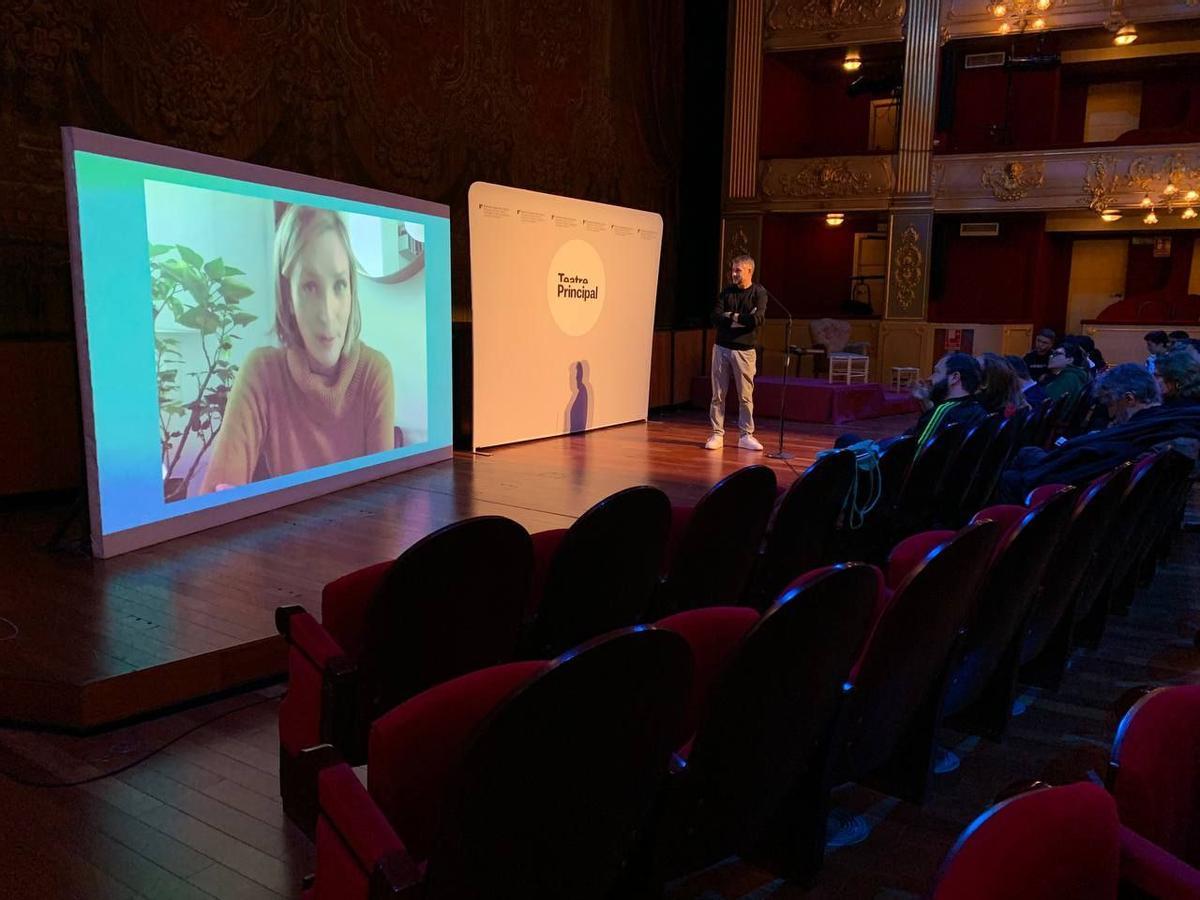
x=186, y=614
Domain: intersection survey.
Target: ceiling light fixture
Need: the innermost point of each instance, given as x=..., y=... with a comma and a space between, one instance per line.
x=1151, y=218
x=1125, y=35
x=852, y=62
x=1111, y=215
x=835, y=219
x=1020, y=15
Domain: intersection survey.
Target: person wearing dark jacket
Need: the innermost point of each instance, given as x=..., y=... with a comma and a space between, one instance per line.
x=1035, y=394
x=1067, y=370
x=738, y=313
x=1140, y=420
x=1037, y=359
x=956, y=378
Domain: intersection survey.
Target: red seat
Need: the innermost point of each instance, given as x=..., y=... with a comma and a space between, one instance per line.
x=1155, y=770
x=1058, y=843
x=1047, y=640
x=900, y=677
x=767, y=695
x=601, y=573
x=984, y=676
x=800, y=536
x=391, y=630
x=727, y=523
x=520, y=781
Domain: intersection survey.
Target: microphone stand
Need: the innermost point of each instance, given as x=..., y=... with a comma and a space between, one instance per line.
x=787, y=361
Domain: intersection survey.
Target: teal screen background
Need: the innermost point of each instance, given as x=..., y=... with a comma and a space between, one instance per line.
x=116, y=289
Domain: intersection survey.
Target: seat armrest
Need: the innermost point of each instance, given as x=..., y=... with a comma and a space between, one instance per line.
x=353, y=834
x=1150, y=869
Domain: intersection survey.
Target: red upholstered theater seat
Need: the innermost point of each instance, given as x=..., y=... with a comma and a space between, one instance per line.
x=526, y=780
x=1058, y=843
x=1043, y=493
x=1155, y=771
x=391, y=630
x=727, y=522
x=765, y=702
x=601, y=574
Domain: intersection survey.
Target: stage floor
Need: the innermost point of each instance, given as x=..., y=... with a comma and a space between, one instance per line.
x=85, y=643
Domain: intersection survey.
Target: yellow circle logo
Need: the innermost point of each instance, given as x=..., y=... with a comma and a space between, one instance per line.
x=575, y=287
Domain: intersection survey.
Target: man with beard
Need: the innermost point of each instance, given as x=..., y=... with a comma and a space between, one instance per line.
x=956, y=378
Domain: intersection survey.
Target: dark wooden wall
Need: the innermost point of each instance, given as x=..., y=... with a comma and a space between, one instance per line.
x=421, y=97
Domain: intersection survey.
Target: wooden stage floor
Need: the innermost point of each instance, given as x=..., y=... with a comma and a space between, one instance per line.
x=85, y=643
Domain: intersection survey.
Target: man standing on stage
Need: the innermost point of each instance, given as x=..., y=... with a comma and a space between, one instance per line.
x=740, y=309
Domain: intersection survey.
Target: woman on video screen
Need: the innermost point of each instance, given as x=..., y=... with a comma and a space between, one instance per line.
x=323, y=395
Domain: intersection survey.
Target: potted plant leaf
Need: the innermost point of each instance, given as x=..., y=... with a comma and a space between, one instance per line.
x=204, y=296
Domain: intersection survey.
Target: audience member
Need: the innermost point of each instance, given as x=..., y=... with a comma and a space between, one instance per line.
x=1066, y=366
x=1140, y=422
x=1035, y=394
x=1176, y=340
x=951, y=395
x=1038, y=359
x=1000, y=391
x=1156, y=345
x=1096, y=361
x=1178, y=377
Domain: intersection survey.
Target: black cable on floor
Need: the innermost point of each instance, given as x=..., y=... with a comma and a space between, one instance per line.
x=29, y=782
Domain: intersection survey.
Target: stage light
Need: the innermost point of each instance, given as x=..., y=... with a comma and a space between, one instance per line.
x=1151, y=218
x=1110, y=215
x=835, y=219
x=852, y=62
x=1125, y=35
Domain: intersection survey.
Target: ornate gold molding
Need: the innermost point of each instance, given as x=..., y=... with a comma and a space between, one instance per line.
x=827, y=178
x=970, y=18
x=908, y=270
x=1013, y=180
x=1059, y=179
x=798, y=24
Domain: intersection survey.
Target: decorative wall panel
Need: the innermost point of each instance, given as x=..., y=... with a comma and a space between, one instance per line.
x=739, y=234
x=908, y=265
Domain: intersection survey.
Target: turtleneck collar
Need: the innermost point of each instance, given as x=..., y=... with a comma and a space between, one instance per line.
x=329, y=392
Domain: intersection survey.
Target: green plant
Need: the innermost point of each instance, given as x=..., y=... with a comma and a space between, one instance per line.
x=205, y=296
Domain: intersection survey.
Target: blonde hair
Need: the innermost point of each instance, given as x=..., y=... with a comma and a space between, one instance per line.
x=298, y=226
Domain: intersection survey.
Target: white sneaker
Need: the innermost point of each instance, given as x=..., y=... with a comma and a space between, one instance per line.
x=749, y=442
x=715, y=442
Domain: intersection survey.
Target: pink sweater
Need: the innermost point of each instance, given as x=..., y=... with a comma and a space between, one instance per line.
x=292, y=419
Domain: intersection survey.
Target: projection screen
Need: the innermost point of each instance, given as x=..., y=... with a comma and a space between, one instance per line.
x=247, y=337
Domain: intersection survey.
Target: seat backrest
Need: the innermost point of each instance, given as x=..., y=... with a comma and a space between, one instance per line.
x=995, y=457
x=1155, y=772
x=909, y=649
x=1059, y=843
x=769, y=712
x=963, y=469
x=557, y=780
x=451, y=603
x=915, y=506
x=727, y=524
x=1006, y=594
x=801, y=533
x=604, y=572
x=1092, y=514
